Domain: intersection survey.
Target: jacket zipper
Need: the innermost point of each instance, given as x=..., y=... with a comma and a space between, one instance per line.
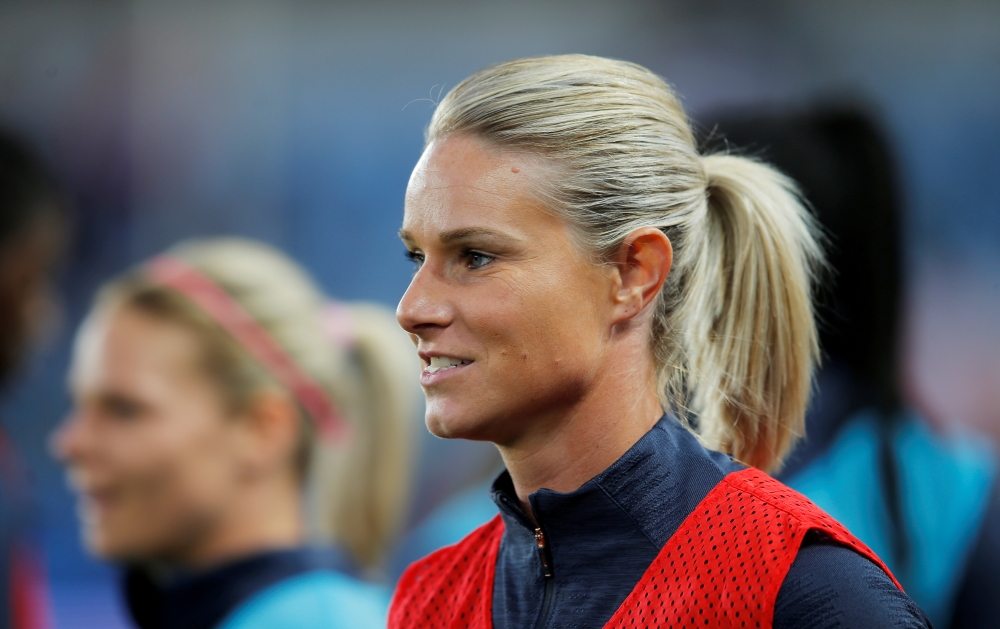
x=550, y=583
x=543, y=551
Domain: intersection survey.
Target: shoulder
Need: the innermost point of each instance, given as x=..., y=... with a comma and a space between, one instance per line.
x=317, y=599
x=943, y=493
x=834, y=580
x=830, y=585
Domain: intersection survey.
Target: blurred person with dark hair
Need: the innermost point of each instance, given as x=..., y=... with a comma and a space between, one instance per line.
x=239, y=443
x=31, y=225
x=927, y=504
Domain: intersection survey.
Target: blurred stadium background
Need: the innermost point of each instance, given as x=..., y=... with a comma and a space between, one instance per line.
x=298, y=123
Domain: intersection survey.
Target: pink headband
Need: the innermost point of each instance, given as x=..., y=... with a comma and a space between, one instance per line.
x=224, y=310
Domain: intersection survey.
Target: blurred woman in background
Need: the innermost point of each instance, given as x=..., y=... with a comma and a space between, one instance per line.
x=226, y=415
x=32, y=234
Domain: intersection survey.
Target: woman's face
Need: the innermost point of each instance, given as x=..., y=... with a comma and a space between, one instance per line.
x=510, y=319
x=149, y=447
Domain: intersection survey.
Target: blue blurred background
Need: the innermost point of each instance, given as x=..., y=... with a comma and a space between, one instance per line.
x=298, y=123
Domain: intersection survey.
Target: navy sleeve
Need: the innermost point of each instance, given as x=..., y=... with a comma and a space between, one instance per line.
x=978, y=602
x=830, y=586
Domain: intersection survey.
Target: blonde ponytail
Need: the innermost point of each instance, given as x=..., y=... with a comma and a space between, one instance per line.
x=748, y=325
x=733, y=336
x=361, y=493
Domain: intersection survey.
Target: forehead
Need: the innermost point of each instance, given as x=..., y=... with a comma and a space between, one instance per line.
x=124, y=347
x=461, y=181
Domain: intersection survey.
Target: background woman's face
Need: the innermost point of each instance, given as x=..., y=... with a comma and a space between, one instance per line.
x=510, y=319
x=149, y=445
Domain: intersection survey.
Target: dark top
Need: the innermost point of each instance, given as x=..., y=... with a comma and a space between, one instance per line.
x=203, y=600
x=20, y=561
x=603, y=536
x=9, y=529
x=977, y=605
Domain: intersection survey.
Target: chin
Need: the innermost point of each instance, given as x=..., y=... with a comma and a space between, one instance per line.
x=471, y=422
x=455, y=423
x=446, y=428
x=100, y=546
x=107, y=546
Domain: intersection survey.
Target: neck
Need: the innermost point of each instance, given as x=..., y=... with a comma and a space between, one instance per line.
x=266, y=517
x=580, y=442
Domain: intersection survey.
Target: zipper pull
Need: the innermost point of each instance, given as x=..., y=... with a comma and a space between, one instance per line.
x=543, y=551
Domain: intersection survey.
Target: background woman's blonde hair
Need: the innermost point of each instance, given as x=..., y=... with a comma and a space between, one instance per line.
x=733, y=336
x=358, y=488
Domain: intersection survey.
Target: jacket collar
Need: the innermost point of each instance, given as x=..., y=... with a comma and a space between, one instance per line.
x=202, y=600
x=639, y=501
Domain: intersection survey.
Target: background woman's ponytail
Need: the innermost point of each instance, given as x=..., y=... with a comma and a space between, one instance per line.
x=360, y=492
x=747, y=317
x=733, y=336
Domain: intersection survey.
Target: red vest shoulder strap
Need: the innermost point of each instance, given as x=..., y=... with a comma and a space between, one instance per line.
x=725, y=564
x=798, y=506
x=452, y=587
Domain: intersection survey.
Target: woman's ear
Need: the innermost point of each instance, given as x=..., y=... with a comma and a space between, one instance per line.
x=642, y=263
x=269, y=433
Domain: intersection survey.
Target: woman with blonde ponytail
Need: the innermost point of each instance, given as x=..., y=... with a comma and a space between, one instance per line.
x=631, y=323
x=240, y=444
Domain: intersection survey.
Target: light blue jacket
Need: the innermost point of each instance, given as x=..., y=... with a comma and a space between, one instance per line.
x=320, y=599
x=944, y=488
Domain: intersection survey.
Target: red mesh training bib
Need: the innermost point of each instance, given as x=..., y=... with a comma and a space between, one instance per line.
x=452, y=587
x=722, y=568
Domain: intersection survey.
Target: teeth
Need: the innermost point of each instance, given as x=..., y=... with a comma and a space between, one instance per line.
x=441, y=363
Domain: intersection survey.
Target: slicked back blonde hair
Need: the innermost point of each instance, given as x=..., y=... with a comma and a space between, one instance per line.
x=733, y=335
x=357, y=488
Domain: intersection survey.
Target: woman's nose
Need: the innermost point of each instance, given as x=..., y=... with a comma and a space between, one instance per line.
x=424, y=305
x=67, y=442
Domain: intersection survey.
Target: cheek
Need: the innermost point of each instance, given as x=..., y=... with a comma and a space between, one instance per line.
x=542, y=345
x=170, y=484
x=544, y=326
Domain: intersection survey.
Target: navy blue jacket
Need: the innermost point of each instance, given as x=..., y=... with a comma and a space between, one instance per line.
x=603, y=536
x=204, y=600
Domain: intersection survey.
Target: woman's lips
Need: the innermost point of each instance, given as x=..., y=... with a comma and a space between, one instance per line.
x=92, y=505
x=442, y=367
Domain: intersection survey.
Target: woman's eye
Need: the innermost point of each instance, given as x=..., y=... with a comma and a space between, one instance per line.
x=416, y=258
x=478, y=260
x=123, y=409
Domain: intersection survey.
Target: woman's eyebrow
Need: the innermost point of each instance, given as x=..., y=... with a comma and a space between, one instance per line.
x=468, y=233
x=477, y=233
